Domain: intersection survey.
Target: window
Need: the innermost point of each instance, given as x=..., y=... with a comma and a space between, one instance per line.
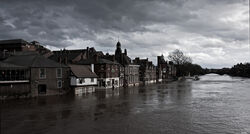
x=59, y=73
x=42, y=73
x=92, y=79
x=81, y=80
x=102, y=67
x=59, y=84
x=108, y=83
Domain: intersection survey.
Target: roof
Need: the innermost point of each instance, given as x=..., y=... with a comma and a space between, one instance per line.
x=93, y=61
x=83, y=71
x=8, y=65
x=34, y=60
x=105, y=61
x=13, y=41
x=126, y=59
x=70, y=54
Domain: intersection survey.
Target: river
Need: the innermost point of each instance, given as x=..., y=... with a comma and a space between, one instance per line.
x=213, y=105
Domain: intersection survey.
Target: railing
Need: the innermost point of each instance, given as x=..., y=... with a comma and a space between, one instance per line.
x=13, y=81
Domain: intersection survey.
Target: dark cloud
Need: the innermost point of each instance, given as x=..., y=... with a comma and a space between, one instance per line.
x=204, y=29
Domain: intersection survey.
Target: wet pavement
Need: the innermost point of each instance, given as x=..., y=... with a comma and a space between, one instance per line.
x=214, y=104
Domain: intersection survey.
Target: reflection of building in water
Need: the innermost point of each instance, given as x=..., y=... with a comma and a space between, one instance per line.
x=112, y=93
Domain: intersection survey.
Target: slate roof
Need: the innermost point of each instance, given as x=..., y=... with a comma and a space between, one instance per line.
x=33, y=61
x=105, y=61
x=126, y=59
x=4, y=65
x=92, y=61
x=71, y=54
x=82, y=71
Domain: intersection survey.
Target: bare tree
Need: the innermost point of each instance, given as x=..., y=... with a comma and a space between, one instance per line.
x=178, y=57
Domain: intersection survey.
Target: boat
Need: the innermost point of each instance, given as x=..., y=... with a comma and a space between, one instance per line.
x=196, y=77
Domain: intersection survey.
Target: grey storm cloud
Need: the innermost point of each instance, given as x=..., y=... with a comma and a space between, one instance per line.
x=215, y=33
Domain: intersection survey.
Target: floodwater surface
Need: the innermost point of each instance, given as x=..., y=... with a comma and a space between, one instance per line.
x=213, y=105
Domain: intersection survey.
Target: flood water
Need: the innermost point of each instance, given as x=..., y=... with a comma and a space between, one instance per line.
x=213, y=105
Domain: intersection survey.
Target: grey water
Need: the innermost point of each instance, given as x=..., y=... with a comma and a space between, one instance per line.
x=213, y=105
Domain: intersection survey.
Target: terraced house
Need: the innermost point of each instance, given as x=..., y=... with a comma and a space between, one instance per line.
x=83, y=78
x=147, y=70
x=131, y=70
x=39, y=76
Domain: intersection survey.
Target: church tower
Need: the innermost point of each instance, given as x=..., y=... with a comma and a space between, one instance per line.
x=118, y=52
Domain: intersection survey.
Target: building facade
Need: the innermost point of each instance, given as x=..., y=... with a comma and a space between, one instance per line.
x=165, y=70
x=42, y=76
x=83, y=79
x=15, y=46
x=131, y=71
x=147, y=71
x=108, y=72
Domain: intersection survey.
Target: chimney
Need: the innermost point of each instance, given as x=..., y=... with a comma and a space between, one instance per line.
x=92, y=68
x=125, y=52
x=87, y=52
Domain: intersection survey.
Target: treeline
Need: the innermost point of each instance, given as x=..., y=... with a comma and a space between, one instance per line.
x=242, y=70
x=184, y=66
x=189, y=69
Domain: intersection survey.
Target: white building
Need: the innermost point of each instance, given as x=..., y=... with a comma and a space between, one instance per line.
x=83, y=78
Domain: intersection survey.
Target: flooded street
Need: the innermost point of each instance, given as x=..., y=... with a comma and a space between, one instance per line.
x=213, y=105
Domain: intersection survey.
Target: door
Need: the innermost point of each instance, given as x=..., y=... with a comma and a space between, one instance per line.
x=42, y=89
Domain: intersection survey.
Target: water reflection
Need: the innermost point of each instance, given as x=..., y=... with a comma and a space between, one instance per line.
x=215, y=104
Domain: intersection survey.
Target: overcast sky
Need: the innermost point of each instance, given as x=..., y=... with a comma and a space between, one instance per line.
x=214, y=33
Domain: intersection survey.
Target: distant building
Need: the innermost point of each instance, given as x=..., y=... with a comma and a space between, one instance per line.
x=74, y=56
x=39, y=76
x=162, y=71
x=83, y=78
x=15, y=46
x=131, y=71
x=147, y=70
x=171, y=70
x=108, y=72
x=165, y=70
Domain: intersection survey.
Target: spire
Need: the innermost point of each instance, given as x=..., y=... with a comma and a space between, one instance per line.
x=118, y=45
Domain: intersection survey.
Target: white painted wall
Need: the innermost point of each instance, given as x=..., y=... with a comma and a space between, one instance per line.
x=110, y=80
x=87, y=81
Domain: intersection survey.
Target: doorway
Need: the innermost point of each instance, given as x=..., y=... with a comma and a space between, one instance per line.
x=42, y=89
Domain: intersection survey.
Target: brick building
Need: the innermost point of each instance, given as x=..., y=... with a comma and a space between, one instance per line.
x=131, y=71
x=45, y=77
x=15, y=46
x=165, y=70
x=147, y=70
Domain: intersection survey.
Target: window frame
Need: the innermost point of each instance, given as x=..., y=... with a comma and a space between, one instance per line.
x=58, y=84
x=44, y=73
x=57, y=72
